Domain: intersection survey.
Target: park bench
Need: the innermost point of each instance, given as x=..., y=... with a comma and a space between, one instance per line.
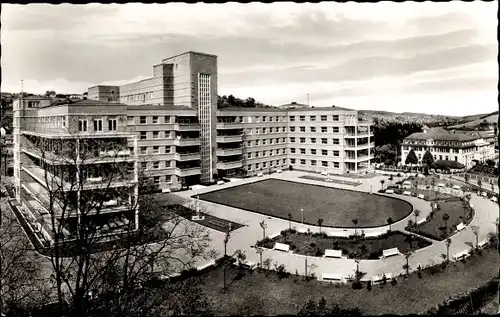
x=281, y=247
x=377, y=279
x=332, y=277
x=333, y=254
x=483, y=243
x=390, y=252
x=275, y=235
x=260, y=174
x=407, y=193
x=461, y=255
x=389, y=191
x=460, y=226
x=421, y=196
x=220, y=182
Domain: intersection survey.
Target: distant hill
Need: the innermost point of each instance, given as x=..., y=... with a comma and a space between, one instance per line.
x=475, y=121
x=389, y=113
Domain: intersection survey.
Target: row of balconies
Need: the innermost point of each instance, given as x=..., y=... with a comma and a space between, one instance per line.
x=359, y=146
x=350, y=158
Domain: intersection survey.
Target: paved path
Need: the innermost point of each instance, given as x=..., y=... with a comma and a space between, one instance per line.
x=244, y=238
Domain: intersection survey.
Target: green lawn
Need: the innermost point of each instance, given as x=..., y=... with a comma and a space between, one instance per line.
x=336, y=207
x=434, y=228
x=367, y=248
x=256, y=293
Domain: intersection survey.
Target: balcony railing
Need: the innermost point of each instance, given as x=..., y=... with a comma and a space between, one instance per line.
x=188, y=171
x=188, y=156
x=227, y=152
x=229, y=165
x=187, y=141
x=74, y=133
x=230, y=125
x=188, y=126
x=230, y=138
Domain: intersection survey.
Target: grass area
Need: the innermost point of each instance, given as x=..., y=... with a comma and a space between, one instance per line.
x=434, y=227
x=210, y=221
x=336, y=207
x=362, y=248
x=332, y=180
x=258, y=293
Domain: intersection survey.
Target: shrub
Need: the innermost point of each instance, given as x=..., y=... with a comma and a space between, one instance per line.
x=357, y=285
x=384, y=279
x=292, y=231
x=319, y=252
x=419, y=274
x=380, y=191
x=312, y=245
x=375, y=255
x=398, y=175
x=280, y=271
x=394, y=281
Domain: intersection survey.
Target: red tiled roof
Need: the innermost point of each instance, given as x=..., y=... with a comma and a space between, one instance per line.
x=445, y=135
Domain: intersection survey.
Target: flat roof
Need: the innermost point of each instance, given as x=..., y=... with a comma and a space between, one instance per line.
x=190, y=52
x=85, y=102
x=284, y=110
x=156, y=107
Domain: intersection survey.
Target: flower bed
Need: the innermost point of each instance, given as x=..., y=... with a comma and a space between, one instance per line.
x=353, y=247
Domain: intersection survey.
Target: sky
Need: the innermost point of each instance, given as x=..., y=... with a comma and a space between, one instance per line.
x=437, y=58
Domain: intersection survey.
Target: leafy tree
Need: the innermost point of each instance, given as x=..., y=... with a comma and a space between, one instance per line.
x=382, y=183
x=407, y=255
x=427, y=159
x=445, y=218
x=355, y=222
x=263, y=225
x=475, y=231
x=389, y=221
x=448, y=243
x=416, y=212
x=411, y=158
x=290, y=221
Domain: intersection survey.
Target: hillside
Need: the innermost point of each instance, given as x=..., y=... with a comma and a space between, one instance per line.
x=475, y=121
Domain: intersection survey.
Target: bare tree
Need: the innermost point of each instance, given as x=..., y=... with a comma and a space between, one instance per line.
x=448, y=243
x=92, y=225
x=407, y=255
x=416, y=212
x=290, y=221
x=21, y=273
x=263, y=225
x=320, y=222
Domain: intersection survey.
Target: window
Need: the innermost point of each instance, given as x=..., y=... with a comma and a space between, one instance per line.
x=324, y=129
x=283, y=129
x=112, y=125
x=284, y=140
x=335, y=117
x=270, y=129
x=264, y=164
x=264, y=153
x=302, y=151
x=270, y=141
x=323, y=118
x=292, y=129
x=256, y=154
x=336, y=153
x=313, y=162
x=168, y=178
x=263, y=130
x=324, y=141
x=324, y=152
x=167, y=119
x=257, y=130
x=257, y=142
x=312, y=118
x=302, y=129
x=156, y=134
x=142, y=120
x=168, y=164
x=156, y=164
x=249, y=155
x=303, y=162
x=82, y=125
x=144, y=165
x=167, y=149
x=143, y=135
x=292, y=140
x=270, y=119
x=456, y=159
x=335, y=129
x=257, y=166
x=249, y=143
x=313, y=140
x=277, y=119
x=156, y=149
x=271, y=162
x=277, y=140
x=292, y=118
x=264, y=142
x=144, y=150
x=446, y=158
x=336, y=164
x=292, y=161
x=283, y=151
x=155, y=120
x=156, y=180
x=313, y=129
x=264, y=119
x=302, y=118
x=167, y=135
x=336, y=141
x=130, y=120
x=292, y=150
x=313, y=151
x=324, y=163
x=302, y=140
x=97, y=124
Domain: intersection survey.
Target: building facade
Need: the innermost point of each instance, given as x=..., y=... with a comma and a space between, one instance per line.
x=183, y=139
x=75, y=164
x=464, y=147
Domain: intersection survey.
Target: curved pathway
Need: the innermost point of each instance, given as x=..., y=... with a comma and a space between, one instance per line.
x=244, y=238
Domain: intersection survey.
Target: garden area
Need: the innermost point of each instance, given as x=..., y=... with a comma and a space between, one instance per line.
x=335, y=207
x=209, y=221
x=357, y=247
x=251, y=292
x=443, y=220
